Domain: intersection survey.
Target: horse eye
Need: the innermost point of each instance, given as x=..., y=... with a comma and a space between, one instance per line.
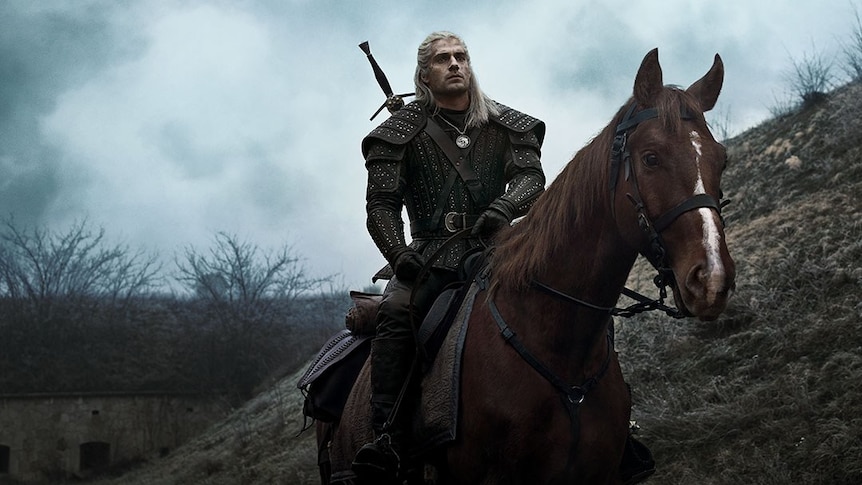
x=650, y=160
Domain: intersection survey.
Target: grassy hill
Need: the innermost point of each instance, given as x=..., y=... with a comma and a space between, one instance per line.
x=769, y=393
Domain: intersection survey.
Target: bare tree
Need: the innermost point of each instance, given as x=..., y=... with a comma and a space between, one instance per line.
x=65, y=298
x=240, y=274
x=42, y=267
x=248, y=296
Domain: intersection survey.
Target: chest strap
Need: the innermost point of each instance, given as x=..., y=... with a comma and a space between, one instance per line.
x=572, y=395
x=457, y=157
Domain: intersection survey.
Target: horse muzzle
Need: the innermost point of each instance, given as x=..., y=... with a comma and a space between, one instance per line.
x=704, y=289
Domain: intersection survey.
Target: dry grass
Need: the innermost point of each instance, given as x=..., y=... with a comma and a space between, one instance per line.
x=257, y=444
x=769, y=393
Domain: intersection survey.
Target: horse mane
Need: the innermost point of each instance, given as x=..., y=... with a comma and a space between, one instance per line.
x=579, y=193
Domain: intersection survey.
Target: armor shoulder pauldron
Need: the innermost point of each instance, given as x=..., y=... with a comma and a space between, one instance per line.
x=399, y=128
x=524, y=129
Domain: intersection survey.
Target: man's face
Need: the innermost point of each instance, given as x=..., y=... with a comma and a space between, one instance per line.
x=449, y=72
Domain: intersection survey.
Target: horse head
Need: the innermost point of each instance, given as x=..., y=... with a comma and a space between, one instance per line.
x=665, y=182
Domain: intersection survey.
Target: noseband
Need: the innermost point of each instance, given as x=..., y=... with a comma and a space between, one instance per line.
x=620, y=156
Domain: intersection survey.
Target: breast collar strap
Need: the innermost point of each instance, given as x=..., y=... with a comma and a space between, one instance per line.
x=574, y=394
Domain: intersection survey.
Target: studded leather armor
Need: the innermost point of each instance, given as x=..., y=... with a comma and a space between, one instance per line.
x=407, y=168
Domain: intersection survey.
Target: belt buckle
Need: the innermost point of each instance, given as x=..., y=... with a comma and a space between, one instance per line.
x=451, y=218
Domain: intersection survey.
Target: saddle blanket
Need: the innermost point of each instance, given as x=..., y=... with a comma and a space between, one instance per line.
x=437, y=419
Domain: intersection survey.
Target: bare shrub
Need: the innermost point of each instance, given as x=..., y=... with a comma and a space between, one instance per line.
x=720, y=123
x=811, y=77
x=782, y=105
x=852, y=49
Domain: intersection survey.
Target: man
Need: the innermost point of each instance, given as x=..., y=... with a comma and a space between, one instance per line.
x=457, y=161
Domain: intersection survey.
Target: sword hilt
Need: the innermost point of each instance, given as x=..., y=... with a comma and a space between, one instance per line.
x=393, y=102
x=378, y=72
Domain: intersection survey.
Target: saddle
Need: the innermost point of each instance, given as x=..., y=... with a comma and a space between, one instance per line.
x=327, y=382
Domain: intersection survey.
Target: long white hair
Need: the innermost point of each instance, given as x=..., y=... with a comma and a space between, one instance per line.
x=481, y=106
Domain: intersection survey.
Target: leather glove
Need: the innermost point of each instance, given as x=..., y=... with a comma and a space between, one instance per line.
x=407, y=264
x=489, y=222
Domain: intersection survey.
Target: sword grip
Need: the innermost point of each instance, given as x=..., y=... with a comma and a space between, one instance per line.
x=378, y=72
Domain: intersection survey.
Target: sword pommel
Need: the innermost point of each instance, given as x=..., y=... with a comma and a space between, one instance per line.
x=365, y=48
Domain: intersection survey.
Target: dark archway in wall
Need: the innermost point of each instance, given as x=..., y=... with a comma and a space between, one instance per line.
x=4, y=459
x=95, y=455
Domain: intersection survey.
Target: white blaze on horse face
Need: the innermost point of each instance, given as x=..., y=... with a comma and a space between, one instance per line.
x=711, y=233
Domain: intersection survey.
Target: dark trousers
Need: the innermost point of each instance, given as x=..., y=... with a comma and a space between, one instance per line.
x=393, y=349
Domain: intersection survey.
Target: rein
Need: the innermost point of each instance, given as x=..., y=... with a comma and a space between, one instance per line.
x=423, y=272
x=644, y=303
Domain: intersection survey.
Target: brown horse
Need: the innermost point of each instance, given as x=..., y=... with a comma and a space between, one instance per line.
x=543, y=399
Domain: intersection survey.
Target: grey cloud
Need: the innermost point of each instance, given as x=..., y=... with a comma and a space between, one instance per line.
x=43, y=51
x=166, y=120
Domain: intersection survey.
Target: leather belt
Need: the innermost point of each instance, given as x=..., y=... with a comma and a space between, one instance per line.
x=452, y=223
x=455, y=221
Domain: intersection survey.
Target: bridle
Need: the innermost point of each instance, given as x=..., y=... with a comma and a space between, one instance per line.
x=656, y=253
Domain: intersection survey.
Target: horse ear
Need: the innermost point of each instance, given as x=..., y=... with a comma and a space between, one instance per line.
x=707, y=88
x=648, y=82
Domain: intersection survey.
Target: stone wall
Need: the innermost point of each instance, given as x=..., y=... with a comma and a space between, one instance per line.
x=72, y=435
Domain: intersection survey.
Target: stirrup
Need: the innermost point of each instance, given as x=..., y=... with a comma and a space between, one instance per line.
x=638, y=463
x=378, y=461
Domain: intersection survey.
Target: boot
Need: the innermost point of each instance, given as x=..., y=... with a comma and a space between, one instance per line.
x=638, y=463
x=379, y=461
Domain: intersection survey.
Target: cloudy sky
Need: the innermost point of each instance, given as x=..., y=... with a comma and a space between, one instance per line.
x=165, y=121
